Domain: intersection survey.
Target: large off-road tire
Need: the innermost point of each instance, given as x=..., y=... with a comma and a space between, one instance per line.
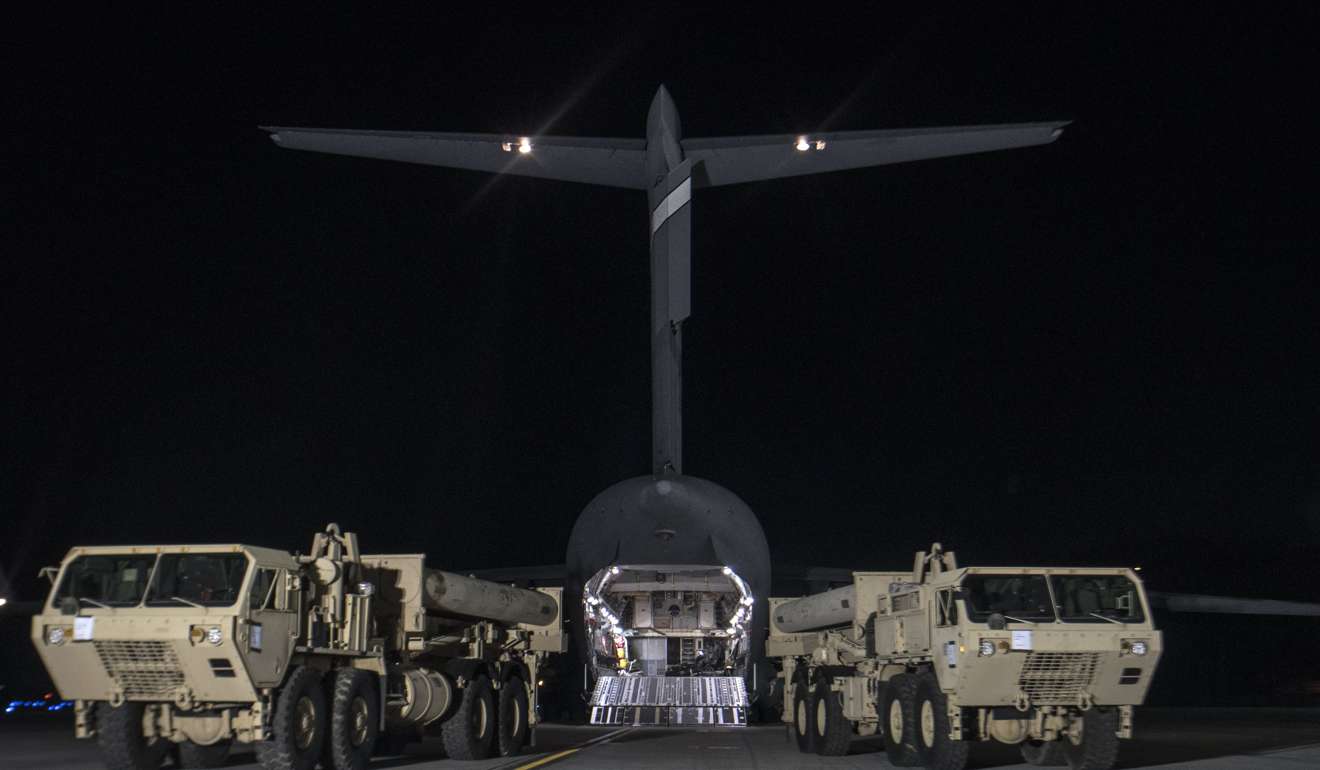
x=513, y=725
x=898, y=720
x=299, y=724
x=831, y=730
x=938, y=751
x=469, y=733
x=1098, y=748
x=354, y=719
x=196, y=755
x=804, y=708
x=1044, y=753
x=119, y=734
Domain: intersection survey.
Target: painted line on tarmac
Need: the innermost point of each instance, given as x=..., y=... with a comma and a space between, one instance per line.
x=567, y=752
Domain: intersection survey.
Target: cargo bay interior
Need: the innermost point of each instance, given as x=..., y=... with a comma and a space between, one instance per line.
x=668, y=643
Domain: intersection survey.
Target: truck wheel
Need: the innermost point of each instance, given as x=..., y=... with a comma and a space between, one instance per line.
x=1098, y=747
x=1044, y=753
x=196, y=755
x=831, y=730
x=803, y=710
x=123, y=746
x=898, y=722
x=298, y=726
x=513, y=725
x=938, y=751
x=354, y=719
x=469, y=733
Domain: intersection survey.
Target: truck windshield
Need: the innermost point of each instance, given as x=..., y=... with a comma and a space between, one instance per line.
x=1021, y=597
x=201, y=579
x=1097, y=599
x=105, y=580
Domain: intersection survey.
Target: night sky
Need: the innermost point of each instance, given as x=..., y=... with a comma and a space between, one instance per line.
x=1098, y=351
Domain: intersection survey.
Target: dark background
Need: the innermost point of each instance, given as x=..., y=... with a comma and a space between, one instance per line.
x=1101, y=351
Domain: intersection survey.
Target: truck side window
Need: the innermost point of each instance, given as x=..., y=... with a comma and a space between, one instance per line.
x=948, y=608
x=263, y=583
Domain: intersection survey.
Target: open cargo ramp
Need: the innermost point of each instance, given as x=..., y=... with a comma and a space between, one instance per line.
x=669, y=700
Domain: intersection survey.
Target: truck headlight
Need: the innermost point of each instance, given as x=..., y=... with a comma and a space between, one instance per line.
x=213, y=635
x=55, y=635
x=366, y=589
x=1136, y=646
x=987, y=648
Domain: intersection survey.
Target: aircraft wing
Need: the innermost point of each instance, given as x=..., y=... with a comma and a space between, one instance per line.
x=1225, y=605
x=735, y=159
x=609, y=162
x=812, y=574
x=540, y=575
x=820, y=578
x=20, y=608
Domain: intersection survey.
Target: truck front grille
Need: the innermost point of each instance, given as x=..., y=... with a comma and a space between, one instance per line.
x=141, y=668
x=1057, y=678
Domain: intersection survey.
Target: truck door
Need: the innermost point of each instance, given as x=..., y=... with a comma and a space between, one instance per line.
x=946, y=641
x=912, y=630
x=272, y=624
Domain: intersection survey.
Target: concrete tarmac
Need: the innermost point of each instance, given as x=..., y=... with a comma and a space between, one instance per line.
x=1170, y=739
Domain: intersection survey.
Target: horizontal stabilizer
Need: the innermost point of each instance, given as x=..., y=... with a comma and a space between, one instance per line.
x=622, y=162
x=731, y=160
x=609, y=162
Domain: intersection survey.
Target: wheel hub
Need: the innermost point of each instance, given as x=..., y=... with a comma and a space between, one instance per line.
x=479, y=718
x=360, y=725
x=896, y=721
x=304, y=723
x=927, y=723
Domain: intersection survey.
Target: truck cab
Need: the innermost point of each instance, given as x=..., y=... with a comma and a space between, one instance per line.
x=1051, y=658
x=191, y=626
x=183, y=649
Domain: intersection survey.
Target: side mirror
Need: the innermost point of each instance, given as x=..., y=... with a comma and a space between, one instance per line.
x=49, y=573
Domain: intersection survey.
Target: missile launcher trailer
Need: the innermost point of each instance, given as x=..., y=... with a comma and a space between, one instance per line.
x=316, y=659
x=1052, y=659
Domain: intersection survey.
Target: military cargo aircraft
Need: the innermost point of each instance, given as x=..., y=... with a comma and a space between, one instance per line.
x=666, y=567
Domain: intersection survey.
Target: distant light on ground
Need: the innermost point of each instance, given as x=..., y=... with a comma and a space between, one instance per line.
x=47, y=703
x=3, y=601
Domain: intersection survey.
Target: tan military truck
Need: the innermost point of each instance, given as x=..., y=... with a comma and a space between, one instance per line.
x=184, y=649
x=1052, y=659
